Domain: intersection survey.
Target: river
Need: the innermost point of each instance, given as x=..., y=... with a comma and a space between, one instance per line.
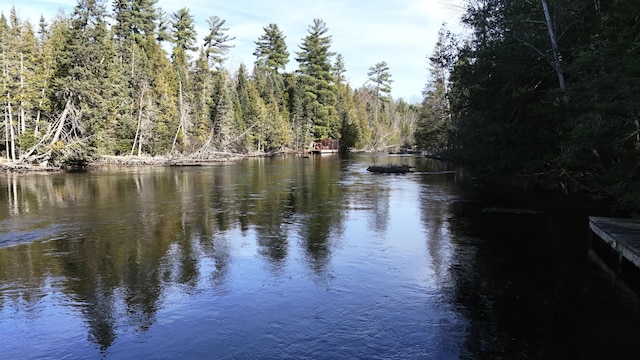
x=301, y=258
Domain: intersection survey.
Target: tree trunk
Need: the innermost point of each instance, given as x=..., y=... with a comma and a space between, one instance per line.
x=175, y=138
x=137, y=139
x=59, y=128
x=6, y=133
x=12, y=135
x=556, y=59
x=67, y=108
x=22, y=114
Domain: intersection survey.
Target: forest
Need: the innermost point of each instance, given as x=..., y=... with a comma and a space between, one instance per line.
x=130, y=79
x=542, y=91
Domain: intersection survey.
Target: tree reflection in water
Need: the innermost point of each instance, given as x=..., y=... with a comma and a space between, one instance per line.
x=128, y=235
x=281, y=256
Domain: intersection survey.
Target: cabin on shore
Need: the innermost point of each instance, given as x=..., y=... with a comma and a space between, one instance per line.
x=325, y=146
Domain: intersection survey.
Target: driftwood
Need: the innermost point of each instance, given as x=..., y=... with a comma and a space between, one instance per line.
x=390, y=169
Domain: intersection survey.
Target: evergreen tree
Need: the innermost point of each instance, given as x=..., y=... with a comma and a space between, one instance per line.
x=294, y=94
x=89, y=83
x=339, y=68
x=134, y=29
x=183, y=39
x=9, y=43
x=201, y=86
x=380, y=76
x=318, y=82
x=546, y=88
x=30, y=87
x=435, y=125
x=363, y=134
x=502, y=86
x=243, y=109
x=43, y=32
x=45, y=65
x=162, y=105
x=223, y=132
x=163, y=26
x=135, y=19
x=216, y=45
x=271, y=49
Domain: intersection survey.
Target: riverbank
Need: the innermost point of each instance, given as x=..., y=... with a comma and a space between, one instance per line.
x=9, y=167
x=104, y=161
x=165, y=160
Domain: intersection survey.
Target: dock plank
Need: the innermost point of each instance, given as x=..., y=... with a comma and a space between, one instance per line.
x=622, y=235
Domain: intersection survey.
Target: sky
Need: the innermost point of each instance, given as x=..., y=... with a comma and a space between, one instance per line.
x=400, y=32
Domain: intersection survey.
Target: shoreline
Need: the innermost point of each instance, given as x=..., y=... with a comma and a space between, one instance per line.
x=112, y=160
x=130, y=160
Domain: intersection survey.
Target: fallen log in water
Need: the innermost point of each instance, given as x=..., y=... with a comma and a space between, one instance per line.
x=390, y=169
x=18, y=168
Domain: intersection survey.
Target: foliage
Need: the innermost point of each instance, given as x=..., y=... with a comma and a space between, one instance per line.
x=380, y=76
x=547, y=89
x=314, y=59
x=216, y=44
x=271, y=49
x=141, y=82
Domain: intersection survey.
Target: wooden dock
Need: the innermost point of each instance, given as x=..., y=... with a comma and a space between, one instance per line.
x=327, y=146
x=622, y=236
x=324, y=151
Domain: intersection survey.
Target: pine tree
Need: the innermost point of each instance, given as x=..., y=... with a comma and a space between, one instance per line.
x=223, y=131
x=162, y=105
x=163, y=26
x=45, y=65
x=216, y=43
x=243, y=109
x=43, y=31
x=201, y=86
x=271, y=49
x=339, y=68
x=318, y=82
x=29, y=87
x=6, y=100
x=380, y=76
x=183, y=39
x=20, y=86
x=89, y=84
x=135, y=19
x=294, y=94
x=435, y=126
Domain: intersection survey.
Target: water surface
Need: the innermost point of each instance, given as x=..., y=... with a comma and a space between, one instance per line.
x=298, y=258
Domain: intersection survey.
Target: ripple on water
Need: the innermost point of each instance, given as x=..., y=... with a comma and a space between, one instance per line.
x=19, y=236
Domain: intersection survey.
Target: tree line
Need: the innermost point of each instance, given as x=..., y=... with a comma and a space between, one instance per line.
x=134, y=80
x=545, y=89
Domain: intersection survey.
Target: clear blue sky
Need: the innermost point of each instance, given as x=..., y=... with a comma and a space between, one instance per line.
x=365, y=32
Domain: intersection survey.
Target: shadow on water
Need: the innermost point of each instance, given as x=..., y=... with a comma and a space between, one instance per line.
x=531, y=285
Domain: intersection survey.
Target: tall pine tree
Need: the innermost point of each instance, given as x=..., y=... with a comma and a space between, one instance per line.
x=271, y=49
x=314, y=59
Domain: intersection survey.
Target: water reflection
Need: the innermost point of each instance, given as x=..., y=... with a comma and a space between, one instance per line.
x=437, y=194
x=122, y=237
x=531, y=287
x=285, y=257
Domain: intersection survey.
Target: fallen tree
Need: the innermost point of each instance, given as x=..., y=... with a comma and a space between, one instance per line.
x=390, y=169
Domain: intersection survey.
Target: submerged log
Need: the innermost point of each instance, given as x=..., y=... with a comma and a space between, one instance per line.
x=390, y=169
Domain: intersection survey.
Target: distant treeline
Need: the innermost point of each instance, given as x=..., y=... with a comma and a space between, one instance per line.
x=134, y=80
x=548, y=89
